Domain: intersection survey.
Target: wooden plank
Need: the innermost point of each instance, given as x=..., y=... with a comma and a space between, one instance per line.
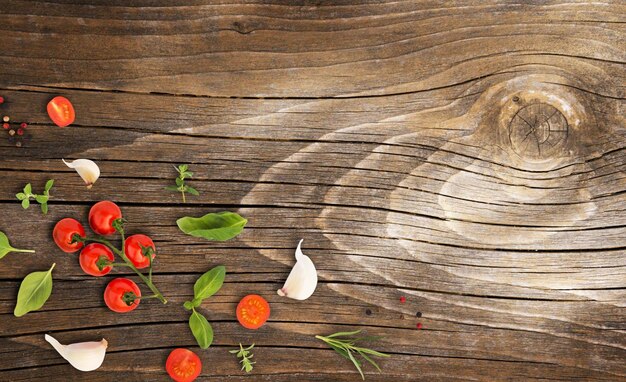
x=392, y=137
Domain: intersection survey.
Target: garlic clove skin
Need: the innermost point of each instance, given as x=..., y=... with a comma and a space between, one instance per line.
x=84, y=356
x=87, y=169
x=302, y=279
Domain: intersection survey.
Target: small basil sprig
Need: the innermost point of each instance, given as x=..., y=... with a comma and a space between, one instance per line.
x=180, y=182
x=220, y=226
x=34, y=292
x=27, y=194
x=206, y=286
x=5, y=246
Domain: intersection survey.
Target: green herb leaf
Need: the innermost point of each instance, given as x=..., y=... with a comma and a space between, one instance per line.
x=214, y=226
x=192, y=191
x=41, y=199
x=49, y=185
x=25, y=203
x=34, y=292
x=28, y=189
x=209, y=283
x=246, y=360
x=344, y=334
x=44, y=208
x=201, y=329
x=20, y=196
x=179, y=182
x=172, y=188
x=344, y=344
x=5, y=247
x=182, y=168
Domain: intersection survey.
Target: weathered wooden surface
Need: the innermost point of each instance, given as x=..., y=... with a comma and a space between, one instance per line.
x=467, y=155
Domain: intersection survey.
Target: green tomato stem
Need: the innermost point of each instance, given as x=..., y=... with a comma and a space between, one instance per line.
x=129, y=264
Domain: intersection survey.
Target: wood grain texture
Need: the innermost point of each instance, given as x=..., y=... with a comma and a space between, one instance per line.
x=469, y=155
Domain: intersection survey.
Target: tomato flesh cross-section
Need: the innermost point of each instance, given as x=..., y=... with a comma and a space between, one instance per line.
x=253, y=311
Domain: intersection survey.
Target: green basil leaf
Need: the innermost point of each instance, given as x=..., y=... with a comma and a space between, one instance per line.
x=5, y=247
x=214, y=226
x=192, y=191
x=41, y=199
x=49, y=185
x=28, y=189
x=25, y=203
x=179, y=182
x=34, y=292
x=20, y=196
x=201, y=329
x=208, y=284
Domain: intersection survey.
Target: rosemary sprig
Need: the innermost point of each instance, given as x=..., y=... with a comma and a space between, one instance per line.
x=344, y=344
x=180, y=182
x=245, y=355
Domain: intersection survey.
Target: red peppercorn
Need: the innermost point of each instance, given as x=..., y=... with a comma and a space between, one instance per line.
x=403, y=299
x=6, y=125
x=20, y=131
x=23, y=125
x=419, y=325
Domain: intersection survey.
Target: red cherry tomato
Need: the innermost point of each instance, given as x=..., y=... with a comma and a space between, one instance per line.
x=253, y=311
x=117, y=291
x=61, y=111
x=63, y=232
x=132, y=248
x=183, y=365
x=102, y=215
x=91, y=254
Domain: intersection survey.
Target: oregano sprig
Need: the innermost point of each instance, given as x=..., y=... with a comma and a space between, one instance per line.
x=206, y=286
x=180, y=186
x=42, y=199
x=245, y=356
x=344, y=344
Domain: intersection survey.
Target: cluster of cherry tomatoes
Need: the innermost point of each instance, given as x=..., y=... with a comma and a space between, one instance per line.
x=118, y=293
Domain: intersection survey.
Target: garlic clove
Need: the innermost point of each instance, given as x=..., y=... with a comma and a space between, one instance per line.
x=302, y=279
x=84, y=356
x=87, y=169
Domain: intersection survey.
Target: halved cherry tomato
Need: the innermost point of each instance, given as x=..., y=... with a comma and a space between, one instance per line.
x=61, y=111
x=91, y=254
x=132, y=247
x=119, y=295
x=63, y=232
x=183, y=365
x=102, y=215
x=253, y=311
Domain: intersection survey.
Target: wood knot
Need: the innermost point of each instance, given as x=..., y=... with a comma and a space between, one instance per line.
x=538, y=131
